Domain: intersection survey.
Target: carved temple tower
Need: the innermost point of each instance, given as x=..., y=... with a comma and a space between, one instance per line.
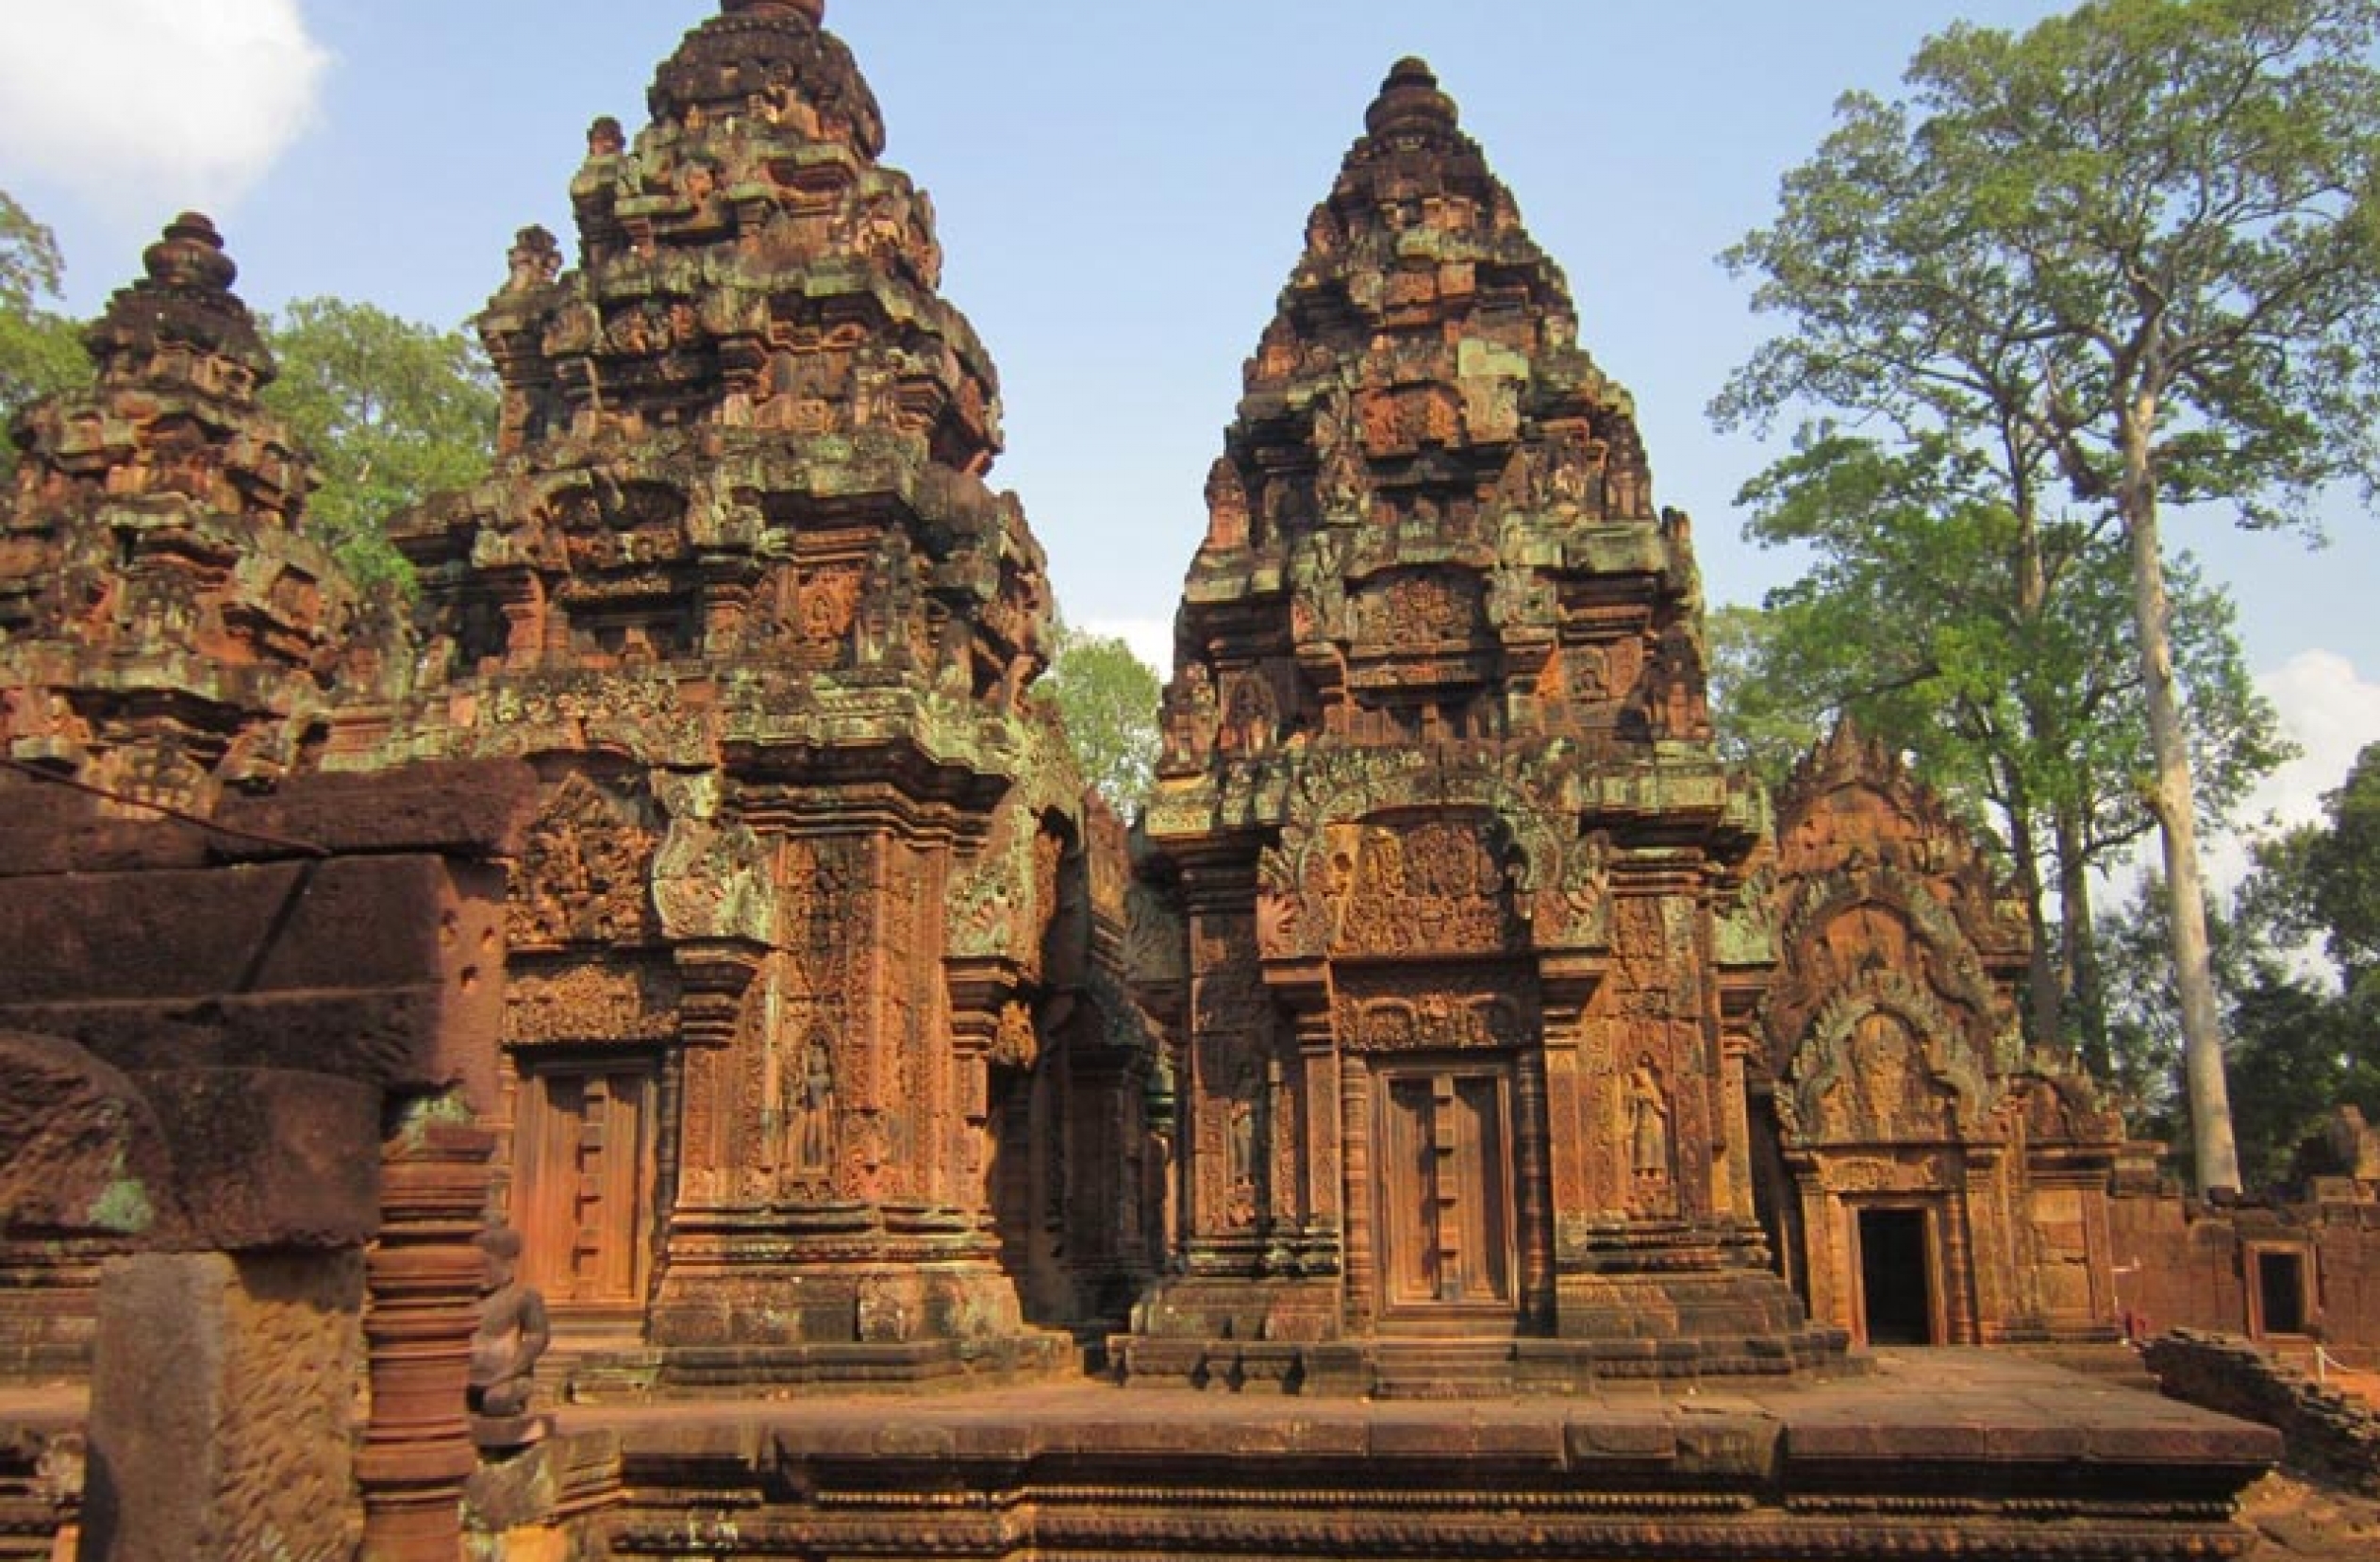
x=1461, y=980
x=167, y=631
x=807, y=1068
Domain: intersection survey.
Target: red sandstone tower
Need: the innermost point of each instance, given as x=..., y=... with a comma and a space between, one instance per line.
x=805, y=1073
x=167, y=631
x=1464, y=964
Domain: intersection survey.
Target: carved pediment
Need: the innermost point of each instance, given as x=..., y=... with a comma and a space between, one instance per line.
x=1884, y=1063
x=584, y=874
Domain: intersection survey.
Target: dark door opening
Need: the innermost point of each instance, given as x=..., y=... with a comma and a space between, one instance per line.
x=2281, y=1290
x=1895, y=1289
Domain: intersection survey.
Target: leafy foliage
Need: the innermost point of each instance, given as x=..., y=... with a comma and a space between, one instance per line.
x=40, y=352
x=2307, y=1037
x=1995, y=649
x=1107, y=698
x=2134, y=251
x=391, y=412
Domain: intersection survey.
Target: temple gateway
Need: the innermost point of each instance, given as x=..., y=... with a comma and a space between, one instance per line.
x=561, y=1066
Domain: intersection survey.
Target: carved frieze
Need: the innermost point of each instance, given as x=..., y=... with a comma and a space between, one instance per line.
x=587, y=1001
x=1420, y=610
x=1884, y=1062
x=1432, y=1014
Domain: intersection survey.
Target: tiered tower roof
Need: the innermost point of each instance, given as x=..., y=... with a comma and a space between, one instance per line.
x=745, y=427
x=1432, y=518
x=165, y=627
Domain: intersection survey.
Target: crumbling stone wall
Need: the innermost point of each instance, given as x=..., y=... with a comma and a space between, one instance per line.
x=206, y=1028
x=2328, y=1434
x=2180, y=1264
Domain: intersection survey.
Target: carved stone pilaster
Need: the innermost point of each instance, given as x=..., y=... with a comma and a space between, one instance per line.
x=422, y=1280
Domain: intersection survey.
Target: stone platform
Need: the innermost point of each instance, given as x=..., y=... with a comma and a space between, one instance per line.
x=1935, y=1453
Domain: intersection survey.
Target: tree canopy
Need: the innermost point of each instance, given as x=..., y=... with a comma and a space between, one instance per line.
x=1107, y=697
x=2297, y=963
x=2134, y=251
x=41, y=351
x=1995, y=646
x=391, y=412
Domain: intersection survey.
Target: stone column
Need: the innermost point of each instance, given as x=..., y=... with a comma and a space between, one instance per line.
x=425, y=1276
x=1320, y=1109
x=1532, y=1194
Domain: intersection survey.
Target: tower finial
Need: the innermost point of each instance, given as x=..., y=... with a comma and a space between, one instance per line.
x=815, y=10
x=1411, y=101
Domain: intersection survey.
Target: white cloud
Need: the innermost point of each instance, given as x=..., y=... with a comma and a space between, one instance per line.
x=2330, y=712
x=135, y=104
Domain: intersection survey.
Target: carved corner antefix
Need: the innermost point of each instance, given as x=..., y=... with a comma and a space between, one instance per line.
x=1443, y=847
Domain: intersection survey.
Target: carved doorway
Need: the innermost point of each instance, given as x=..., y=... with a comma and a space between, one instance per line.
x=582, y=1188
x=1897, y=1287
x=1446, y=1197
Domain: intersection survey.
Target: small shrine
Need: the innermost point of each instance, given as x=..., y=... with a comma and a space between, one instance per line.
x=1457, y=962
x=1937, y=1180
x=809, y=1063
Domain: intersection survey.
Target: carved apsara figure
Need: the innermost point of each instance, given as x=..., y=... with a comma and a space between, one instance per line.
x=814, y=1109
x=1648, y=1121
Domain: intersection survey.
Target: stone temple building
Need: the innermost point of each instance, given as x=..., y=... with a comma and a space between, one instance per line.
x=802, y=1040
x=1419, y=1141
x=1466, y=956
x=1932, y=1178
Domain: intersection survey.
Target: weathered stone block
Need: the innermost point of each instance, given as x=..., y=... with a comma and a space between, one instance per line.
x=221, y=1409
x=269, y=1158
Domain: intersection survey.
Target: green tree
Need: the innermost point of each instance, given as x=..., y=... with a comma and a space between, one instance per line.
x=391, y=412
x=2320, y=883
x=2341, y=866
x=2309, y=1037
x=40, y=352
x=2143, y=239
x=1107, y=698
x=1958, y=623
x=1764, y=716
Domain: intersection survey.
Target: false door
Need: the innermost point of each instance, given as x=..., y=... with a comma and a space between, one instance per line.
x=583, y=1180
x=1445, y=1196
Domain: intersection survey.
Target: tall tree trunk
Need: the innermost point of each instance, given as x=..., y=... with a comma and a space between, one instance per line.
x=2040, y=971
x=2085, y=1008
x=2171, y=800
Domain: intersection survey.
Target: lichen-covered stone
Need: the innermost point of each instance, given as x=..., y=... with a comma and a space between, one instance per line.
x=1445, y=849
x=738, y=588
x=167, y=629
x=1896, y=1084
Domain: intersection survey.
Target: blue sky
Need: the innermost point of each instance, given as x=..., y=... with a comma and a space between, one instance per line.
x=1121, y=187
